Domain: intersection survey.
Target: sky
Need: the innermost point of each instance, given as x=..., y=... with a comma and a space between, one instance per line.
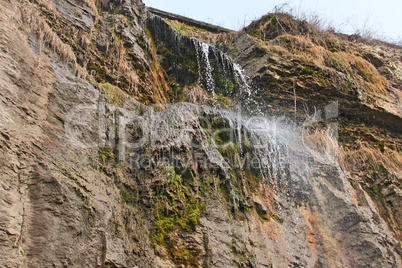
x=380, y=17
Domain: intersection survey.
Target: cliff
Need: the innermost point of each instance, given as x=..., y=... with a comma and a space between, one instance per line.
x=137, y=138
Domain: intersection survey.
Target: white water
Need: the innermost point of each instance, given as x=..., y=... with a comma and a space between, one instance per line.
x=202, y=50
x=207, y=62
x=240, y=76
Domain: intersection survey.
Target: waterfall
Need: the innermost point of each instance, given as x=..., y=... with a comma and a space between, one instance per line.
x=276, y=143
x=217, y=72
x=229, y=68
x=241, y=78
x=202, y=50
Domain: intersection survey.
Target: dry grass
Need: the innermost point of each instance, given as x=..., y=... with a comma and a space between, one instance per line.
x=277, y=49
x=82, y=72
x=123, y=66
x=201, y=34
x=85, y=40
x=46, y=35
x=284, y=19
x=323, y=142
x=31, y=16
x=367, y=158
x=118, y=53
x=134, y=81
x=355, y=67
x=308, y=50
x=157, y=84
x=284, y=22
x=194, y=94
x=296, y=47
x=304, y=47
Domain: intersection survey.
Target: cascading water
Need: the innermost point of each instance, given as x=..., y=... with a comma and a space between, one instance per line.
x=276, y=143
x=279, y=147
x=241, y=78
x=248, y=99
x=229, y=68
x=202, y=50
x=271, y=138
x=217, y=72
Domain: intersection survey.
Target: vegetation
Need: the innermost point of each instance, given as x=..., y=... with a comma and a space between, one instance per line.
x=127, y=196
x=106, y=155
x=176, y=209
x=116, y=95
x=192, y=31
x=46, y=34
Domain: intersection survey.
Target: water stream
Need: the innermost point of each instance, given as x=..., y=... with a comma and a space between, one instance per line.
x=217, y=72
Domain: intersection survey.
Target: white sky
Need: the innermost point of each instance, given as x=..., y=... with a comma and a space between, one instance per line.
x=383, y=17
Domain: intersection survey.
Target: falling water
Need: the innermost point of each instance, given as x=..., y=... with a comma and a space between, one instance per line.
x=242, y=80
x=226, y=63
x=211, y=62
x=202, y=50
x=240, y=76
x=276, y=141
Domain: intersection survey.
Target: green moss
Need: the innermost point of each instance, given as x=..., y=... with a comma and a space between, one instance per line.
x=127, y=196
x=288, y=43
x=177, y=210
x=59, y=166
x=229, y=149
x=224, y=101
x=175, y=206
x=99, y=70
x=375, y=190
x=185, y=29
x=266, y=24
x=222, y=137
x=224, y=191
x=333, y=49
x=309, y=69
x=115, y=93
x=300, y=203
x=106, y=154
x=221, y=130
x=240, y=252
x=273, y=21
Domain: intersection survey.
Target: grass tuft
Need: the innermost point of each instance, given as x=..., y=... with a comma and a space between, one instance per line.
x=46, y=35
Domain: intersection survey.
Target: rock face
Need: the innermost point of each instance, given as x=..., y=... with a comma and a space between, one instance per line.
x=106, y=163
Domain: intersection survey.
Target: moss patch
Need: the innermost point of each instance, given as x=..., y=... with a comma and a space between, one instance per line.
x=177, y=209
